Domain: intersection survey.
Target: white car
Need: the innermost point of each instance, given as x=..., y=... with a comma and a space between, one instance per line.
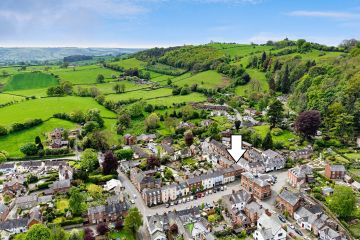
x=134, y=196
x=291, y=226
x=132, y=201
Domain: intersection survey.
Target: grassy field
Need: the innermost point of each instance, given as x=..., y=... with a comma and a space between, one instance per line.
x=84, y=74
x=5, y=98
x=168, y=101
x=240, y=49
x=141, y=94
x=46, y=107
x=41, y=92
x=285, y=137
x=257, y=83
x=107, y=88
x=130, y=63
x=36, y=80
x=62, y=204
x=11, y=143
x=207, y=79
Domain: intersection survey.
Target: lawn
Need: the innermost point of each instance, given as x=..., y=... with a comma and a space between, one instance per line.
x=257, y=83
x=189, y=227
x=84, y=74
x=12, y=142
x=62, y=204
x=353, y=156
x=355, y=230
x=169, y=101
x=5, y=98
x=130, y=63
x=285, y=137
x=141, y=94
x=207, y=79
x=36, y=80
x=46, y=107
x=123, y=234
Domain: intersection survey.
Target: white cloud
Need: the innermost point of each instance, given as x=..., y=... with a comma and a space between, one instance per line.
x=325, y=14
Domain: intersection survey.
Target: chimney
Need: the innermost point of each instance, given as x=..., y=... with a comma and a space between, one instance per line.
x=267, y=212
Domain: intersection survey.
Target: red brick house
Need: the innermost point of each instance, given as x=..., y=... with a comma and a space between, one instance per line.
x=106, y=213
x=259, y=187
x=129, y=139
x=335, y=171
x=288, y=201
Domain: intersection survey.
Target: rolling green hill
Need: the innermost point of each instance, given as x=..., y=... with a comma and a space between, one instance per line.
x=32, y=80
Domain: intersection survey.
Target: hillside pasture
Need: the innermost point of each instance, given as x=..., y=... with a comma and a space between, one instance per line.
x=6, y=98
x=140, y=94
x=240, y=50
x=41, y=92
x=107, y=88
x=258, y=83
x=44, y=108
x=33, y=80
x=130, y=63
x=12, y=143
x=169, y=101
x=84, y=74
x=207, y=79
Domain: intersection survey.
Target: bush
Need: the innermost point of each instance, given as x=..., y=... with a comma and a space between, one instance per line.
x=3, y=131
x=15, y=127
x=101, y=178
x=277, y=131
x=75, y=220
x=29, y=149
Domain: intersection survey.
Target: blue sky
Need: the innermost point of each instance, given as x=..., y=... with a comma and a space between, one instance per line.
x=148, y=23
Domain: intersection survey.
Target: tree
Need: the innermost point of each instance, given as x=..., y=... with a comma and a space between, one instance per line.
x=102, y=228
x=153, y=161
x=3, y=131
x=275, y=113
x=307, y=123
x=174, y=229
x=152, y=121
x=285, y=81
x=267, y=142
x=57, y=233
x=343, y=201
x=124, y=154
x=237, y=124
x=74, y=235
x=88, y=234
x=133, y=220
x=119, y=224
x=38, y=232
x=110, y=163
x=168, y=174
x=29, y=149
x=100, y=78
x=94, y=115
x=136, y=109
x=90, y=126
x=97, y=140
x=189, y=138
x=76, y=201
x=95, y=191
x=89, y=160
x=37, y=140
x=124, y=119
x=149, y=108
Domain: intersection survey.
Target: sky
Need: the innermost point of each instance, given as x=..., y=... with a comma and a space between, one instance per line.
x=162, y=23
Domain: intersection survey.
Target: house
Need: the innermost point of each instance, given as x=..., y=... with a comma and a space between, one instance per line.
x=169, y=193
x=239, y=199
x=65, y=172
x=26, y=202
x=328, y=233
x=4, y=211
x=194, y=183
x=228, y=175
x=186, y=125
x=356, y=186
x=220, y=149
x=112, y=184
x=61, y=186
x=305, y=217
x=166, y=150
x=207, y=181
x=305, y=153
x=56, y=138
x=253, y=184
x=143, y=180
x=327, y=191
x=251, y=166
x=145, y=138
x=156, y=226
x=206, y=122
x=14, y=186
x=125, y=165
x=139, y=152
x=34, y=216
x=7, y=168
x=269, y=227
x=299, y=176
x=152, y=196
x=129, y=139
x=273, y=160
x=106, y=213
x=12, y=226
x=250, y=112
x=182, y=189
x=253, y=211
x=288, y=201
x=335, y=171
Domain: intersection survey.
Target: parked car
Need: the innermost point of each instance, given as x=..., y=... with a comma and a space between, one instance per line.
x=134, y=196
x=298, y=232
x=291, y=226
x=222, y=188
x=281, y=218
x=167, y=205
x=132, y=201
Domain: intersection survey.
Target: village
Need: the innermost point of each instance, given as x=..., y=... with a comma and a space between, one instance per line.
x=194, y=192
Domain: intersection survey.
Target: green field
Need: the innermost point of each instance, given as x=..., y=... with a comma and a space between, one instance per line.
x=24, y=81
x=5, y=98
x=130, y=63
x=286, y=137
x=41, y=92
x=257, y=83
x=240, y=49
x=141, y=94
x=46, y=107
x=84, y=74
x=107, y=88
x=207, y=79
x=11, y=143
x=169, y=101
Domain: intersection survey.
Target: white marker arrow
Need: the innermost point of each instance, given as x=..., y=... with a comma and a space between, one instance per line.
x=236, y=151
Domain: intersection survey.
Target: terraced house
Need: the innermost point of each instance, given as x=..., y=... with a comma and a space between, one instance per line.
x=259, y=187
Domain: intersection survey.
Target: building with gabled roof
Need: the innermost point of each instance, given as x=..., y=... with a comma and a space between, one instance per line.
x=269, y=227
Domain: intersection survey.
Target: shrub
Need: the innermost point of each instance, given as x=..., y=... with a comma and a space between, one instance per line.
x=277, y=131
x=101, y=178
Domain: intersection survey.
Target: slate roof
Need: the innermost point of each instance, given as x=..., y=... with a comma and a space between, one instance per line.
x=240, y=197
x=7, y=165
x=61, y=184
x=13, y=223
x=26, y=199
x=301, y=171
x=289, y=197
x=337, y=168
x=270, y=226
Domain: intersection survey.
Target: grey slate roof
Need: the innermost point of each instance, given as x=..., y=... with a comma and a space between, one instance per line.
x=13, y=223
x=289, y=197
x=337, y=168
